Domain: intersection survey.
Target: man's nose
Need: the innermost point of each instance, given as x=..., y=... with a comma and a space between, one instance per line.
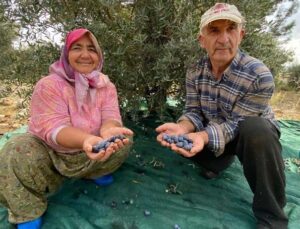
x=223, y=37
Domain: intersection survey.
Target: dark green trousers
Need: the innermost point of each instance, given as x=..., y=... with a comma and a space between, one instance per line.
x=30, y=171
x=258, y=148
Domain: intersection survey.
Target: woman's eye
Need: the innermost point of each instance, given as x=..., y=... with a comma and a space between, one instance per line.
x=75, y=48
x=92, y=50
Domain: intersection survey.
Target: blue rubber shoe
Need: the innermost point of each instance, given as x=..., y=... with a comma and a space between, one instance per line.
x=104, y=180
x=33, y=224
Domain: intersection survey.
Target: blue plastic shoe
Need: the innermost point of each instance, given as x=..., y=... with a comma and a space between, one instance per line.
x=104, y=180
x=33, y=224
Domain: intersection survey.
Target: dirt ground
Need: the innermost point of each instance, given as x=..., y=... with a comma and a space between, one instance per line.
x=286, y=105
x=13, y=114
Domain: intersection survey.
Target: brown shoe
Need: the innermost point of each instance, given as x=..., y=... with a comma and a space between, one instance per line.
x=207, y=174
x=261, y=226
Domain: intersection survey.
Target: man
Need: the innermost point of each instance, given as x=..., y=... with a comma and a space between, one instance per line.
x=227, y=113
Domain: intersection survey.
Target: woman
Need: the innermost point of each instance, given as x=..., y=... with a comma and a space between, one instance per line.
x=72, y=109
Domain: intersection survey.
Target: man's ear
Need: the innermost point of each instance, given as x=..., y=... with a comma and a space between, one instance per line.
x=242, y=35
x=243, y=32
x=200, y=40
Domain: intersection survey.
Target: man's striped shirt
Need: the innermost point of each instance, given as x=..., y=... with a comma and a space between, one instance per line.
x=244, y=89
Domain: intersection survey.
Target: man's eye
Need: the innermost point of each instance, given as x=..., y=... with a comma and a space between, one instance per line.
x=213, y=30
x=233, y=27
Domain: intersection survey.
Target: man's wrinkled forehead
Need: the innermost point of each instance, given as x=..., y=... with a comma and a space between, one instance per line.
x=222, y=23
x=219, y=25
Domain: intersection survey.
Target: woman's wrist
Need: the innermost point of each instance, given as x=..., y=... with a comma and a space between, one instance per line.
x=108, y=125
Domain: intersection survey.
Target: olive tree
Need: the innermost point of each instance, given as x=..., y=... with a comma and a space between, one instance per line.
x=147, y=44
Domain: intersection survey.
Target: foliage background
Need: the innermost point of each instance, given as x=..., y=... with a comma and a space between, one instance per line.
x=147, y=44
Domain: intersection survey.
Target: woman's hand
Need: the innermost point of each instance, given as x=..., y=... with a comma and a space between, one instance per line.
x=113, y=131
x=103, y=154
x=107, y=133
x=88, y=144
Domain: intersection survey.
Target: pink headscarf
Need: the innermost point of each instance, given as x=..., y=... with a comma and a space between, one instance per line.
x=86, y=85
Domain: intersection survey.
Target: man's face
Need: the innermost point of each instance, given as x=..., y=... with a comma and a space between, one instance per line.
x=221, y=39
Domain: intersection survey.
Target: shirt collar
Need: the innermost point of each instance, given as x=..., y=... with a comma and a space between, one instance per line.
x=228, y=71
x=234, y=63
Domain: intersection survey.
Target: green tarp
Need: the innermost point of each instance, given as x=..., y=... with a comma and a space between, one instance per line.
x=155, y=188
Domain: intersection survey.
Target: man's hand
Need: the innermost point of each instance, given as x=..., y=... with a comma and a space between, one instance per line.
x=199, y=139
x=170, y=128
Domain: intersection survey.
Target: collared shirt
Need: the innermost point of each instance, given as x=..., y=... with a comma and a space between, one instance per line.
x=53, y=107
x=217, y=107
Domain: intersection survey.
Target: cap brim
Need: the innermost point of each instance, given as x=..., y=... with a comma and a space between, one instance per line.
x=231, y=17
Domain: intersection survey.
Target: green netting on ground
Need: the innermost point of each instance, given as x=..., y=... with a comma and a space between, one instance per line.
x=170, y=188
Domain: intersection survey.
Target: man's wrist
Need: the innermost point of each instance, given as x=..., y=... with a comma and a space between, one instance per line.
x=205, y=137
x=187, y=126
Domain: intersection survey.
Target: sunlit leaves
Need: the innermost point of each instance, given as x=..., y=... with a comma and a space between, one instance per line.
x=147, y=44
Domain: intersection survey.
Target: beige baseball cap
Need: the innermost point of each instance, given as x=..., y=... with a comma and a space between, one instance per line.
x=221, y=11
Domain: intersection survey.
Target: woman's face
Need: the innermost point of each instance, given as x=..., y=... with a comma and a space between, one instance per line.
x=83, y=56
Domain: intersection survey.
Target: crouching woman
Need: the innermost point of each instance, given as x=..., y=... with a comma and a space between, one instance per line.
x=72, y=109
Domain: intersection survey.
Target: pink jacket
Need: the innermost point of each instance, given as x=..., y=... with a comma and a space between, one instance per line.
x=53, y=106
